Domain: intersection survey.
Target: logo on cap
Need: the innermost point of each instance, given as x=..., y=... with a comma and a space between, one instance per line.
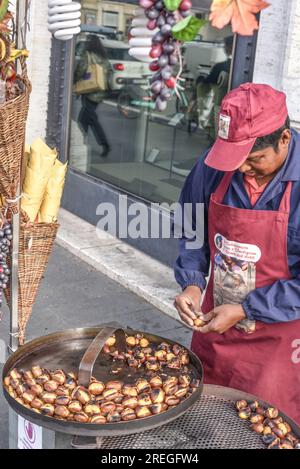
x=224, y=125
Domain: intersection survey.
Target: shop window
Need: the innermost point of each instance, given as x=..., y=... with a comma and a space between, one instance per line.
x=118, y=138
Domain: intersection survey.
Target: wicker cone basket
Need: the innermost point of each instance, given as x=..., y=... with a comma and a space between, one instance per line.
x=13, y=116
x=36, y=243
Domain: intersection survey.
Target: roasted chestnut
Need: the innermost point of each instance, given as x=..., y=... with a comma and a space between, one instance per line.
x=31, y=382
x=285, y=428
x=48, y=397
x=170, y=389
x=256, y=418
x=96, y=388
x=6, y=381
x=11, y=392
x=260, y=410
x=279, y=432
x=181, y=392
x=278, y=420
x=147, y=351
x=170, y=356
x=82, y=395
x=72, y=375
x=152, y=365
x=131, y=341
x=164, y=346
x=158, y=408
x=172, y=400
x=156, y=382
x=19, y=400
x=257, y=427
x=267, y=430
x=128, y=414
x=51, y=386
x=185, y=359
x=157, y=396
x=75, y=407
x=177, y=349
x=42, y=380
x=113, y=417
x=117, y=385
x=36, y=371
x=15, y=374
x=184, y=380
x=28, y=397
x=119, y=408
x=28, y=375
x=21, y=389
x=292, y=438
x=81, y=417
x=62, y=391
x=14, y=383
x=62, y=400
x=59, y=376
x=144, y=343
x=254, y=405
x=110, y=394
x=99, y=419
x=286, y=444
x=111, y=341
x=37, y=403
x=271, y=412
x=47, y=409
x=143, y=385
x=92, y=409
x=245, y=413
x=130, y=402
x=61, y=411
x=161, y=355
x=107, y=407
x=133, y=362
x=70, y=383
x=175, y=363
x=129, y=390
x=275, y=444
x=171, y=380
x=142, y=412
x=144, y=400
x=269, y=438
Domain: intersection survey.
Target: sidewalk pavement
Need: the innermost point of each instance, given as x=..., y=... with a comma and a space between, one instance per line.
x=74, y=294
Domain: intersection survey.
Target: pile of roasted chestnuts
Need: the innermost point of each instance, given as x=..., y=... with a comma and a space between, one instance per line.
x=153, y=357
x=57, y=394
x=275, y=432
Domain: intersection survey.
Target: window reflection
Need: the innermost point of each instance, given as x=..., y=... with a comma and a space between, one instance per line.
x=117, y=135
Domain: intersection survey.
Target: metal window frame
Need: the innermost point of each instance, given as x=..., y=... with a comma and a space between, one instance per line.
x=83, y=192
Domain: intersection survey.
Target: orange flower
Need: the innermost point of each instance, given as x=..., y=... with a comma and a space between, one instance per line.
x=241, y=14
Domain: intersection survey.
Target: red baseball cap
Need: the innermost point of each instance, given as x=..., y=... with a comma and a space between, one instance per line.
x=247, y=112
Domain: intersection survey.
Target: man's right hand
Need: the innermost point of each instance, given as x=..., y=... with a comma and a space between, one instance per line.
x=188, y=303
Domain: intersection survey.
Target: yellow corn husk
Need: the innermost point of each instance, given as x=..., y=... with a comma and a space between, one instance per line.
x=37, y=174
x=51, y=203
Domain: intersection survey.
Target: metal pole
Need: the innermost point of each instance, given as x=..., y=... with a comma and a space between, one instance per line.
x=21, y=8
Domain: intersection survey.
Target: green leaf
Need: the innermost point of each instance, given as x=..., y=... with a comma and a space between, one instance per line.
x=172, y=5
x=187, y=29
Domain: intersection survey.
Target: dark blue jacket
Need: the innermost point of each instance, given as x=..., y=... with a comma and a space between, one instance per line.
x=280, y=301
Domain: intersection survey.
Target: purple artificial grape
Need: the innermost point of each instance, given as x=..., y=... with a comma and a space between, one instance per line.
x=161, y=21
x=165, y=94
x=158, y=38
x=155, y=77
x=159, y=5
x=163, y=61
x=166, y=29
x=166, y=73
x=151, y=13
x=173, y=60
x=151, y=24
x=168, y=48
x=186, y=13
x=146, y=3
x=171, y=20
x=156, y=87
x=160, y=104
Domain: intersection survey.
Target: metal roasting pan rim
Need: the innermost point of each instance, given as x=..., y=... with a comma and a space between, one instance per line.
x=107, y=429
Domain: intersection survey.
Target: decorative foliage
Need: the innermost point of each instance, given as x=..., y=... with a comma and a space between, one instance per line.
x=187, y=29
x=241, y=14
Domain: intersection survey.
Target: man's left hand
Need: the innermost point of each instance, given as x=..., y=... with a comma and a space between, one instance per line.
x=222, y=318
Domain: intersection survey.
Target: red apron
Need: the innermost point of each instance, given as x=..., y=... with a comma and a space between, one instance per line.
x=249, y=250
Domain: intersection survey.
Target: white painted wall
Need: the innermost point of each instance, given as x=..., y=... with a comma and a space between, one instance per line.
x=278, y=52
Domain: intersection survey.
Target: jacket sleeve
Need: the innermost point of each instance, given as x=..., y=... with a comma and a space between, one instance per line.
x=192, y=265
x=280, y=301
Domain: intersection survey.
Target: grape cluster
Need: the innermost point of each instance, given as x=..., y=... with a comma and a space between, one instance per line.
x=163, y=51
x=5, y=242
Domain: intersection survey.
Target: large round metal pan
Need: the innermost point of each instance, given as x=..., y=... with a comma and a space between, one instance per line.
x=65, y=350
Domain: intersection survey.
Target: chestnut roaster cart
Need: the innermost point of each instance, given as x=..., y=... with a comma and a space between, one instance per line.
x=206, y=419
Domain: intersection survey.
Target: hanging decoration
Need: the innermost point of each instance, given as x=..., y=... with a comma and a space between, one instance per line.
x=159, y=29
x=64, y=18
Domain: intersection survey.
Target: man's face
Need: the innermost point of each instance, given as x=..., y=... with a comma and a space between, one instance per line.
x=267, y=162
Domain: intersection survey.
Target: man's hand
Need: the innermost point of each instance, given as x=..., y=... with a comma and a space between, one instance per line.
x=187, y=303
x=222, y=318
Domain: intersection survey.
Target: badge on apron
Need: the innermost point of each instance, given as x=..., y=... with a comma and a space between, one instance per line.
x=234, y=274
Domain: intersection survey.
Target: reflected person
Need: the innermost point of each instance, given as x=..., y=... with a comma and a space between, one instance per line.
x=94, y=53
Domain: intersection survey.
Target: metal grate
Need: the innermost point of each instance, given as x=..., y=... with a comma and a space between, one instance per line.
x=211, y=423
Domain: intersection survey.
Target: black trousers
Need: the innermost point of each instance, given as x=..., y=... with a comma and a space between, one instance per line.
x=88, y=118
